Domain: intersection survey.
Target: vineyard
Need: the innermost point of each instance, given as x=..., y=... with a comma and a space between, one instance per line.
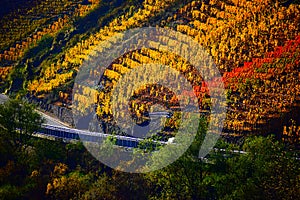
x=260, y=92
x=255, y=45
x=23, y=30
x=28, y=20
x=237, y=31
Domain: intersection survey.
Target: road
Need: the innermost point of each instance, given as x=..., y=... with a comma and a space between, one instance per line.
x=52, y=121
x=49, y=120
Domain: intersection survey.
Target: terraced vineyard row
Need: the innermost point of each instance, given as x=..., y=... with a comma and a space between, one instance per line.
x=148, y=95
x=14, y=53
x=30, y=34
x=237, y=31
x=260, y=92
x=4, y=71
x=21, y=34
x=265, y=90
x=17, y=27
x=75, y=55
x=248, y=110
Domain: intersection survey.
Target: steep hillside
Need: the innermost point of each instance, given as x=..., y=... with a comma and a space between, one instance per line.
x=255, y=45
x=57, y=26
x=23, y=29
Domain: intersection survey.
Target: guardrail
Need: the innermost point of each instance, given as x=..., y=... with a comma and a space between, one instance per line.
x=87, y=136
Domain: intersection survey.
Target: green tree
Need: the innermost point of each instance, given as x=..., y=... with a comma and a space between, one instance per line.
x=103, y=188
x=266, y=171
x=18, y=121
x=183, y=179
